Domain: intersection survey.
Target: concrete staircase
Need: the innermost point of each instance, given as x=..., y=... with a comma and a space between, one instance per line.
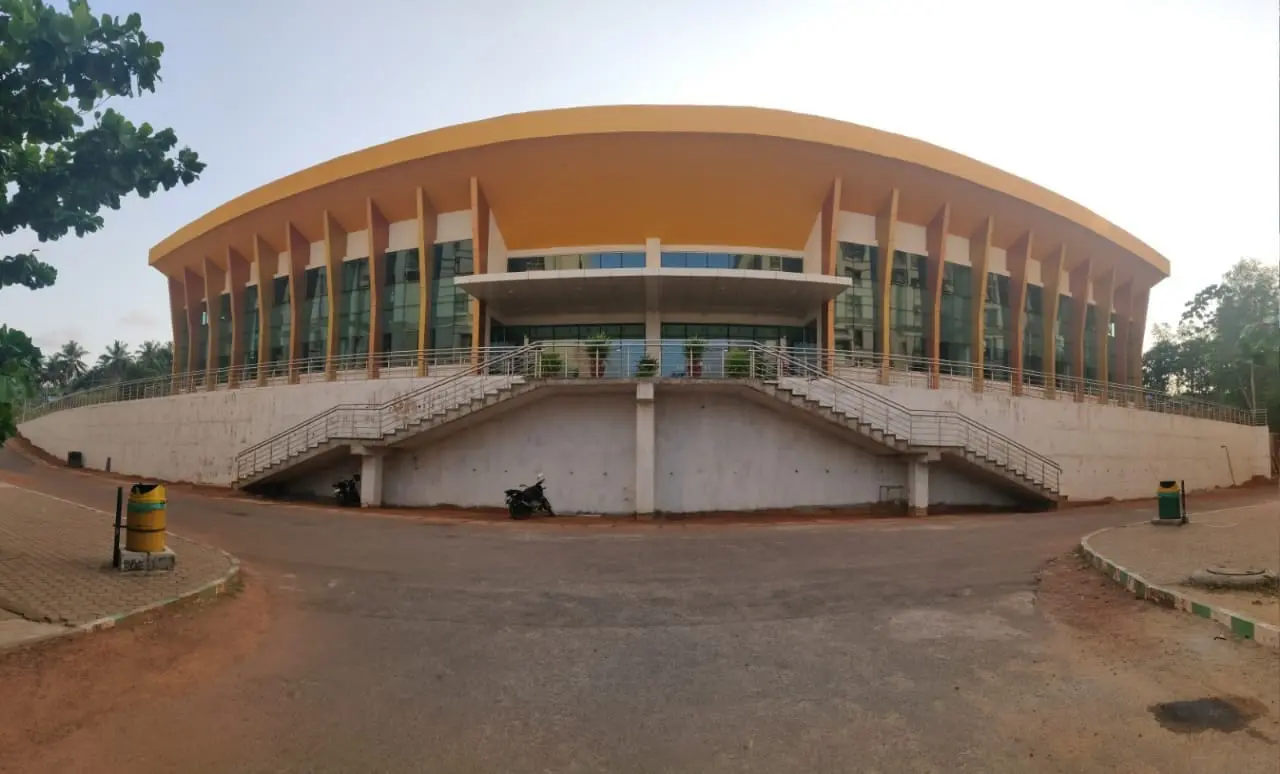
x=333, y=432
x=957, y=440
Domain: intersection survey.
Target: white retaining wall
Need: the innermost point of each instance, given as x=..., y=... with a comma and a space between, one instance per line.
x=195, y=437
x=713, y=451
x=1106, y=450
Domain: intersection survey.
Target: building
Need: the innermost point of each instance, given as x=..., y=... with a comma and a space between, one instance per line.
x=898, y=300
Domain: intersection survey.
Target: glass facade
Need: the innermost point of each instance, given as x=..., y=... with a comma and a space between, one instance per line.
x=855, y=308
x=519, y=335
x=750, y=261
x=1091, y=342
x=1033, y=334
x=450, y=304
x=224, y=336
x=997, y=328
x=400, y=301
x=857, y=325
x=906, y=305
x=955, y=335
x=315, y=315
x=1062, y=341
x=249, y=342
x=278, y=332
x=353, y=313
x=616, y=260
x=771, y=334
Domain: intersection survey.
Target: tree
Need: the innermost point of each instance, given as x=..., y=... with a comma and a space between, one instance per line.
x=56, y=173
x=1227, y=345
x=20, y=362
x=155, y=357
x=116, y=360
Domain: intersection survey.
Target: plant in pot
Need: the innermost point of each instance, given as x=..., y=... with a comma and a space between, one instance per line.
x=647, y=367
x=598, y=347
x=551, y=365
x=737, y=363
x=693, y=349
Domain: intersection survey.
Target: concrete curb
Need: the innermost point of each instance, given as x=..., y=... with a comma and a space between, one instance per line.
x=210, y=590
x=1239, y=625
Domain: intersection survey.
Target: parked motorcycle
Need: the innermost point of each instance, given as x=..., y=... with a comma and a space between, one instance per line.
x=528, y=501
x=347, y=491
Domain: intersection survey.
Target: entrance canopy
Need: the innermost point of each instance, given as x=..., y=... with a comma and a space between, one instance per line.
x=745, y=292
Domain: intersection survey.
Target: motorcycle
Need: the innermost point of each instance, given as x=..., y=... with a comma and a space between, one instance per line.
x=528, y=501
x=347, y=491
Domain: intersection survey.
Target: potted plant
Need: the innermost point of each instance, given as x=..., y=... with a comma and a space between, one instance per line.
x=551, y=365
x=693, y=349
x=737, y=363
x=597, y=353
x=647, y=367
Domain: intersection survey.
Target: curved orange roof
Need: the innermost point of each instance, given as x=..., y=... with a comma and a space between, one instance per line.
x=685, y=174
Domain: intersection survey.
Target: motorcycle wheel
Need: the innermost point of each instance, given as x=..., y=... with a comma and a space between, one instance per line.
x=545, y=507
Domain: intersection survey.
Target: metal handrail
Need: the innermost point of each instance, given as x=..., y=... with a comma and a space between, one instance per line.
x=346, y=367
x=915, y=371
x=854, y=366
x=911, y=425
x=371, y=422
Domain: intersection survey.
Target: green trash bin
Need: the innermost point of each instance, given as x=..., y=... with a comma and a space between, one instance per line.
x=1169, y=501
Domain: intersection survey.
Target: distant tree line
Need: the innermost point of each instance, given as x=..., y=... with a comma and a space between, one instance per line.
x=1226, y=346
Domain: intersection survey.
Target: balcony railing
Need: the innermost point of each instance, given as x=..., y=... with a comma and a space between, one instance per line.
x=671, y=361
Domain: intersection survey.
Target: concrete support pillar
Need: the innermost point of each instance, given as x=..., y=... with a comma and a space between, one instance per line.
x=177, y=319
x=372, y=461
x=980, y=261
x=480, y=223
x=918, y=486
x=935, y=268
x=335, y=252
x=426, y=265
x=645, y=451
x=266, y=260
x=886, y=246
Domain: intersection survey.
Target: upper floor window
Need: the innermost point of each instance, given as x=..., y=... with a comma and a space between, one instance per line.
x=751, y=261
x=571, y=261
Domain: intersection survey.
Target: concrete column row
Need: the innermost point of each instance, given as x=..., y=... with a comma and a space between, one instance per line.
x=1127, y=299
x=188, y=292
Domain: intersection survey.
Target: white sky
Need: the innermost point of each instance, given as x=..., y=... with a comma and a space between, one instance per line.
x=1163, y=117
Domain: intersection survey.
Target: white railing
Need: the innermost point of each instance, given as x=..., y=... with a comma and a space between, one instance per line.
x=914, y=372
x=390, y=365
x=374, y=422
x=853, y=367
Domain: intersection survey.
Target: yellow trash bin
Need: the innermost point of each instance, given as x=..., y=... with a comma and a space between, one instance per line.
x=145, y=522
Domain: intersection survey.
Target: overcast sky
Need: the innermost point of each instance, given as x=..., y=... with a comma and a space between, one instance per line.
x=1160, y=115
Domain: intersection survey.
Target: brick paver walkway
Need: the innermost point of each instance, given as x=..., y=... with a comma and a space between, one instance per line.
x=55, y=563
x=1241, y=538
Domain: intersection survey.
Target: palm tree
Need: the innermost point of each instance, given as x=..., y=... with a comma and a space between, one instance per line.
x=155, y=358
x=116, y=360
x=72, y=356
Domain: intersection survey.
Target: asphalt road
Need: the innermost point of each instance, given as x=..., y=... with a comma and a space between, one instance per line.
x=394, y=645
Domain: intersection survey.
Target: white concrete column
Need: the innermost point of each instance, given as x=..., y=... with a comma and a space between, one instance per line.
x=653, y=253
x=645, y=448
x=371, y=466
x=917, y=486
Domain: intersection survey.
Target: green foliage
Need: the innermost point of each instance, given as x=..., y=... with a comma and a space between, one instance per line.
x=551, y=365
x=20, y=363
x=1226, y=347
x=56, y=172
x=737, y=364
x=647, y=367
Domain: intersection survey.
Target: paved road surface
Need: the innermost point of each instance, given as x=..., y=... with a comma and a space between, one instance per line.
x=382, y=644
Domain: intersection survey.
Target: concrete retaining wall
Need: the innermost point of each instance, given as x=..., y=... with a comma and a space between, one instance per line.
x=714, y=451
